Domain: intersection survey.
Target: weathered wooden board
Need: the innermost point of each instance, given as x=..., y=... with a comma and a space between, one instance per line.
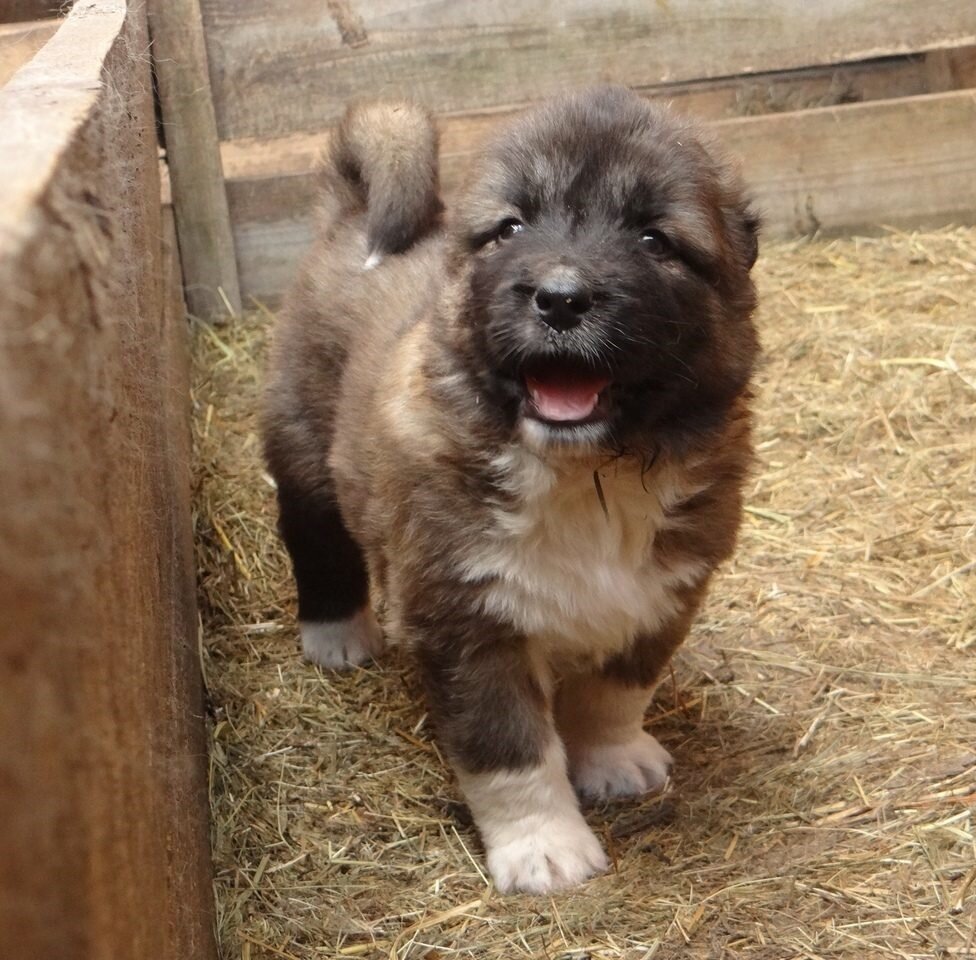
x=291, y=66
x=908, y=161
x=190, y=134
x=20, y=41
x=272, y=223
x=905, y=162
x=103, y=832
x=708, y=100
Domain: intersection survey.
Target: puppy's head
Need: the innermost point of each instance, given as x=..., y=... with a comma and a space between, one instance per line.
x=606, y=252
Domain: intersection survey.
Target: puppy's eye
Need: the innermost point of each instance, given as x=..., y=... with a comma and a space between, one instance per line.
x=508, y=229
x=655, y=242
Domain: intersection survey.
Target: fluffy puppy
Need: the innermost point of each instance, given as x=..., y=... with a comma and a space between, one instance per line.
x=527, y=431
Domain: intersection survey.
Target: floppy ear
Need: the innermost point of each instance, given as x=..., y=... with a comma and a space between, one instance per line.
x=742, y=226
x=751, y=222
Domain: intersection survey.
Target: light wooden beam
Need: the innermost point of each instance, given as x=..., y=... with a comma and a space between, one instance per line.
x=190, y=136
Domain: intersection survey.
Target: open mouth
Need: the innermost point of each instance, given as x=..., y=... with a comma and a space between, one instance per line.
x=564, y=392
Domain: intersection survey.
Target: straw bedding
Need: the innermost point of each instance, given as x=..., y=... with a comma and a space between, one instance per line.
x=822, y=716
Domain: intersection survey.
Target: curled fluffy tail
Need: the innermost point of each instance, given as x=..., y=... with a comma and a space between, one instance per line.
x=386, y=153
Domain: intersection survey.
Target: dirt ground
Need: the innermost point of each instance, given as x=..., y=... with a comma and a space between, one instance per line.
x=822, y=716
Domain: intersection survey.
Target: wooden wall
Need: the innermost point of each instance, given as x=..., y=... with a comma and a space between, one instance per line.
x=290, y=66
x=103, y=799
x=281, y=74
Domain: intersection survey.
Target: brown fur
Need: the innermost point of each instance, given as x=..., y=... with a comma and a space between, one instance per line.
x=395, y=412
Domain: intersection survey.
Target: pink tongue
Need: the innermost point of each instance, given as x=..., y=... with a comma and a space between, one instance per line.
x=566, y=398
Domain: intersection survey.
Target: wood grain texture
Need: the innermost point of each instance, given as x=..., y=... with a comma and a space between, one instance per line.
x=103, y=830
x=20, y=41
x=729, y=97
x=291, y=66
x=190, y=135
x=908, y=161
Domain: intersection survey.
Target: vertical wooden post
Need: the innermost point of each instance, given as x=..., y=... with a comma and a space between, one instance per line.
x=104, y=849
x=193, y=152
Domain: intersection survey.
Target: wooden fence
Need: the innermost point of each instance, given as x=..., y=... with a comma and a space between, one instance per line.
x=103, y=801
x=846, y=114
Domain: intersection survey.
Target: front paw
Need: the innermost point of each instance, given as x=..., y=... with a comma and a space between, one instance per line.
x=342, y=644
x=604, y=771
x=540, y=855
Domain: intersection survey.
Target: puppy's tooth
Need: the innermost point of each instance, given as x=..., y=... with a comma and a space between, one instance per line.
x=373, y=260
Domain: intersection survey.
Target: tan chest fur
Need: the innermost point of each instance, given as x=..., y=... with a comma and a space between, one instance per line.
x=576, y=578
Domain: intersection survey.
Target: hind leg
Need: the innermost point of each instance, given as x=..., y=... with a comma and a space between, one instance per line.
x=337, y=626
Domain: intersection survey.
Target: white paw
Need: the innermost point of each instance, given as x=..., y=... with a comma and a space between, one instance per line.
x=341, y=644
x=602, y=771
x=539, y=855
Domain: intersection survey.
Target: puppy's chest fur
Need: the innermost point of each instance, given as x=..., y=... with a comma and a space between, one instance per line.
x=579, y=576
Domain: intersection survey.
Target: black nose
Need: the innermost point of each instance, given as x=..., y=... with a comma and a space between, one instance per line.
x=562, y=307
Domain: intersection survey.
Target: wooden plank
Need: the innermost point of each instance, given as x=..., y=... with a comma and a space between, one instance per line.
x=291, y=66
x=190, y=135
x=103, y=828
x=903, y=162
x=272, y=230
x=298, y=153
x=182, y=739
x=271, y=184
x=907, y=162
x=20, y=41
